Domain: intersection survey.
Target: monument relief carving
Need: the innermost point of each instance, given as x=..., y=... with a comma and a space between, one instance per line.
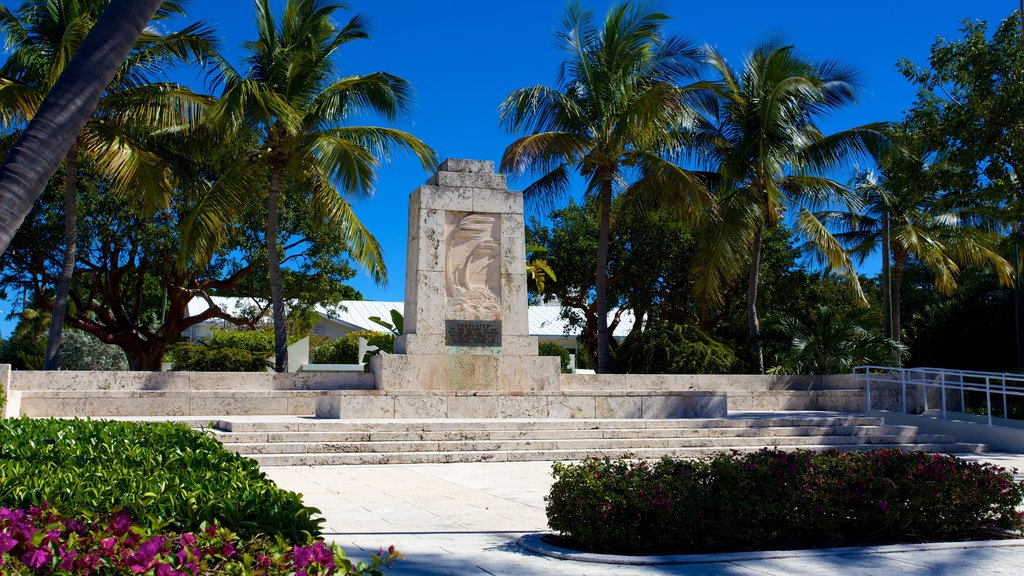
x=472, y=266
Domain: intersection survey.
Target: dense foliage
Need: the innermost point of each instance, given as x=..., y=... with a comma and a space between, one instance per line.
x=773, y=499
x=164, y=475
x=38, y=540
x=553, y=349
x=673, y=349
x=345, y=350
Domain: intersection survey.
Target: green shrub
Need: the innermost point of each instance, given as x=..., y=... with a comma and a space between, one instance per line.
x=202, y=358
x=673, y=349
x=83, y=351
x=164, y=475
x=252, y=340
x=552, y=349
x=345, y=350
x=773, y=499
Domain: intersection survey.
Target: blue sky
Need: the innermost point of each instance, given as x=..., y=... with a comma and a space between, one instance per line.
x=465, y=56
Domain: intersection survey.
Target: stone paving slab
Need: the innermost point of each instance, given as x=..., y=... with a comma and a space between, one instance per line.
x=464, y=519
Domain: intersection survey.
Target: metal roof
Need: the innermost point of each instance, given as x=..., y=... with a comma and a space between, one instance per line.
x=545, y=319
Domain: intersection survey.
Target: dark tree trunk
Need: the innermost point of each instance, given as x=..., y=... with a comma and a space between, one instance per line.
x=274, y=272
x=51, y=359
x=67, y=107
x=601, y=278
x=147, y=358
x=887, y=279
x=753, y=323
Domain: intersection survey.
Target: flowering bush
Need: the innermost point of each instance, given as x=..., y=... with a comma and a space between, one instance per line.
x=40, y=541
x=775, y=499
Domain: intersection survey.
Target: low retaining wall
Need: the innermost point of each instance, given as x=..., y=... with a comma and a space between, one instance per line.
x=708, y=382
x=187, y=381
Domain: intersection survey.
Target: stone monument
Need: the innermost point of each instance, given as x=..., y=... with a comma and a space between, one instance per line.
x=466, y=323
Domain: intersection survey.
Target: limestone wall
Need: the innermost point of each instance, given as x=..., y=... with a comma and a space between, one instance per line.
x=32, y=380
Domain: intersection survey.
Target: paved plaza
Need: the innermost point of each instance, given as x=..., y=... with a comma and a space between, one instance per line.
x=465, y=519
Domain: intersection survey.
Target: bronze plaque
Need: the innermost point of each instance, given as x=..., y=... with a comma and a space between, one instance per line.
x=478, y=333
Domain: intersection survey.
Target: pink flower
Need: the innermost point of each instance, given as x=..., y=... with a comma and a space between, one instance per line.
x=883, y=505
x=37, y=558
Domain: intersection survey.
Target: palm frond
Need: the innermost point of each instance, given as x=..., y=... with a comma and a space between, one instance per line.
x=136, y=173
x=828, y=249
x=360, y=244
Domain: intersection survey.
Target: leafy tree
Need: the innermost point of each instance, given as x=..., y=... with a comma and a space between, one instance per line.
x=114, y=138
x=649, y=258
x=616, y=111
x=772, y=157
x=25, y=347
x=292, y=97
x=674, y=349
x=66, y=109
x=82, y=351
x=969, y=109
x=128, y=290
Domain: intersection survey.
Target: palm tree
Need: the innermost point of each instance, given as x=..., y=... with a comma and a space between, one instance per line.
x=905, y=216
x=825, y=341
x=772, y=157
x=67, y=108
x=114, y=137
x=616, y=113
x=294, y=99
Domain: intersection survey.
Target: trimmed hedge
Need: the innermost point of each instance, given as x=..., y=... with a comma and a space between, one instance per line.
x=201, y=358
x=164, y=475
x=345, y=350
x=673, y=349
x=552, y=349
x=773, y=499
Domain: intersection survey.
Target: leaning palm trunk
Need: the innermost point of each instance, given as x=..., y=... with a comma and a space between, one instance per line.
x=274, y=271
x=601, y=279
x=51, y=360
x=66, y=109
x=753, y=323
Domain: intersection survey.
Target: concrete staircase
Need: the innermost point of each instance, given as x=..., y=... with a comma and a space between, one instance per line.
x=307, y=442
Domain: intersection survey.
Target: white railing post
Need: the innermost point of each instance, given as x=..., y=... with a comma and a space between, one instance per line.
x=988, y=399
x=867, y=386
x=1006, y=413
x=942, y=388
x=903, y=388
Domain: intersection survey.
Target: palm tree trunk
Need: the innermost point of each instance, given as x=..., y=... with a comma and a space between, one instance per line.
x=601, y=278
x=67, y=107
x=899, y=265
x=274, y=271
x=51, y=359
x=887, y=278
x=753, y=323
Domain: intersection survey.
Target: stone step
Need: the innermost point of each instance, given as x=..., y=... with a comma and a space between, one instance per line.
x=629, y=444
x=551, y=434
x=348, y=458
x=518, y=424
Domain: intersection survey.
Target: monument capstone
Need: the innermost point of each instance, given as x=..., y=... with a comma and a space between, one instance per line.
x=466, y=323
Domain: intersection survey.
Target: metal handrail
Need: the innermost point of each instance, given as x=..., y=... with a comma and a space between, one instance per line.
x=998, y=383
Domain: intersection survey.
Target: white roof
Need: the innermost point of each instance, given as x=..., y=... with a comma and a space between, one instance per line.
x=545, y=320
x=232, y=305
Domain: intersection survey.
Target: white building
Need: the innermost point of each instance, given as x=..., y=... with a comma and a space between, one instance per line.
x=545, y=320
